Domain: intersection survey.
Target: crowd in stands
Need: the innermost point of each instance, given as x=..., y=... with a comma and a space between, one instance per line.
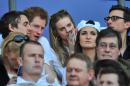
x=76, y=55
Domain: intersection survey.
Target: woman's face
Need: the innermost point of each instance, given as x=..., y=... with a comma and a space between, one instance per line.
x=88, y=37
x=63, y=27
x=13, y=59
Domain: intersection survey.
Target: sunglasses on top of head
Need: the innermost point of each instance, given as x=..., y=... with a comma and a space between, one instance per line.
x=20, y=38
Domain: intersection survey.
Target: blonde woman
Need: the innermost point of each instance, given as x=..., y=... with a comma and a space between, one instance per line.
x=10, y=53
x=62, y=34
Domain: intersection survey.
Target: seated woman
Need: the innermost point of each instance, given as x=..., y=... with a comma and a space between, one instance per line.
x=10, y=53
x=86, y=38
x=62, y=34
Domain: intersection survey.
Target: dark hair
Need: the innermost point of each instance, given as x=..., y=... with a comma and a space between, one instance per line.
x=109, y=32
x=123, y=79
x=13, y=18
x=126, y=11
x=36, y=11
x=100, y=64
x=82, y=57
x=26, y=43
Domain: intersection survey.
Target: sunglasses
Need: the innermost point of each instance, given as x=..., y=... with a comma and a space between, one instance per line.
x=20, y=38
x=113, y=18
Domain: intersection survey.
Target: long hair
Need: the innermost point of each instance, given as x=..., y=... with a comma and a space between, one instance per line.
x=55, y=40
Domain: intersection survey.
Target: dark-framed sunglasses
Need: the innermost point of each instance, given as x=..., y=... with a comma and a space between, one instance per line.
x=113, y=18
x=20, y=38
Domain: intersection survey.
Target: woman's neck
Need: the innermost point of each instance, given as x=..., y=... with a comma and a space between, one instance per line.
x=91, y=53
x=10, y=71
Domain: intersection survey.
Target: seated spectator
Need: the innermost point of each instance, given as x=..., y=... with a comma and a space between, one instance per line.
x=108, y=47
x=32, y=59
x=38, y=18
x=79, y=70
x=86, y=38
x=112, y=77
x=10, y=53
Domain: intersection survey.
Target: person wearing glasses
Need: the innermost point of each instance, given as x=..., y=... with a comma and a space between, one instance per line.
x=119, y=20
x=10, y=53
x=108, y=45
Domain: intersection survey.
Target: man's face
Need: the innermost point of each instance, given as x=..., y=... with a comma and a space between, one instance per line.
x=23, y=25
x=32, y=61
x=108, y=48
x=37, y=27
x=13, y=59
x=63, y=27
x=118, y=25
x=108, y=80
x=77, y=73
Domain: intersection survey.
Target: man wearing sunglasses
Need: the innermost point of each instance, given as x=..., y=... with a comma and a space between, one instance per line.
x=119, y=20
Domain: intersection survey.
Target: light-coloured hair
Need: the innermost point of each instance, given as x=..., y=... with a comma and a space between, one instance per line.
x=9, y=45
x=55, y=39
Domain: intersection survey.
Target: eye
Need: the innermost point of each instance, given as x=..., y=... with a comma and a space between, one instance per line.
x=69, y=69
x=83, y=32
x=93, y=33
x=25, y=23
x=112, y=46
x=103, y=45
x=69, y=25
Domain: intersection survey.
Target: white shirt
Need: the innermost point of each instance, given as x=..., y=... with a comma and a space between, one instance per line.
x=41, y=82
x=50, y=57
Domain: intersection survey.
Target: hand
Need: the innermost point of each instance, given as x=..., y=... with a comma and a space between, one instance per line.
x=72, y=39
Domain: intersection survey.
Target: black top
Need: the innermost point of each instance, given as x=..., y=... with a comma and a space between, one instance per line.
x=3, y=74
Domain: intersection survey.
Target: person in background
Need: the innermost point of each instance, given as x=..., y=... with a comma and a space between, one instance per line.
x=14, y=21
x=38, y=18
x=62, y=34
x=108, y=45
x=32, y=64
x=10, y=53
x=119, y=20
x=79, y=70
x=112, y=77
x=86, y=38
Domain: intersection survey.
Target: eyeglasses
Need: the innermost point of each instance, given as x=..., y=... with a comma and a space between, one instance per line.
x=105, y=45
x=113, y=18
x=20, y=38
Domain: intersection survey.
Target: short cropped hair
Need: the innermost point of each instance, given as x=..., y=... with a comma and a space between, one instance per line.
x=81, y=57
x=26, y=43
x=123, y=79
x=109, y=32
